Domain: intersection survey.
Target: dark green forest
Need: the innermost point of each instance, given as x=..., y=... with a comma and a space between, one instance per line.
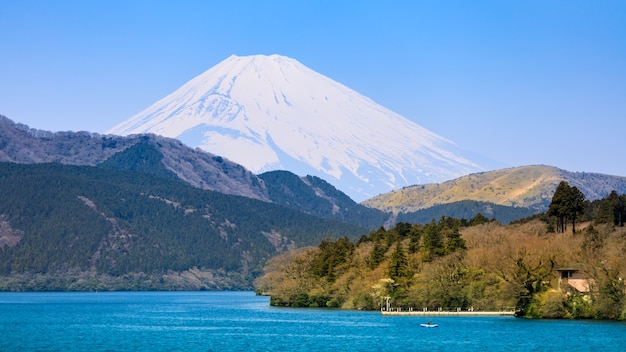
x=110, y=222
x=467, y=209
x=290, y=190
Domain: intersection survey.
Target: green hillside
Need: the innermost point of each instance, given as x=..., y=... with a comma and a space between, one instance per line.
x=309, y=194
x=315, y=196
x=78, y=227
x=467, y=209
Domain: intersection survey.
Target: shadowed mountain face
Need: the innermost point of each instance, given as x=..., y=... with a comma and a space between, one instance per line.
x=273, y=113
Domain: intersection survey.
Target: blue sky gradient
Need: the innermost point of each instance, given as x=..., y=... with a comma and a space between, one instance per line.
x=519, y=82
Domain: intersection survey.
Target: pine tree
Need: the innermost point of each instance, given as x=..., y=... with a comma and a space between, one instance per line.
x=377, y=256
x=575, y=205
x=558, y=206
x=454, y=241
x=619, y=209
x=479, y=219
x=567, y=203
x=332, y=255
x=415, y=235
x=398, y=264
x=432, y=244
x=612, y=210
x=606, y=209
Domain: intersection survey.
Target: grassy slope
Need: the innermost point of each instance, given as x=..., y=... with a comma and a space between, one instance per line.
x=525, y=186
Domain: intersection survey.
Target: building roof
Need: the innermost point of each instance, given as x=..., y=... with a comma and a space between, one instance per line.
x=574, y=267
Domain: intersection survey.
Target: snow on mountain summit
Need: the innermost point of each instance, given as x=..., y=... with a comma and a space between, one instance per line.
x=273, y=113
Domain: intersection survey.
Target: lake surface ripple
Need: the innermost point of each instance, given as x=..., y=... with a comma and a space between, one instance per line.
x=241, y=321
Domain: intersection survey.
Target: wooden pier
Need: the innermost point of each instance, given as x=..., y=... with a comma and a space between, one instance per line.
x=465, y=313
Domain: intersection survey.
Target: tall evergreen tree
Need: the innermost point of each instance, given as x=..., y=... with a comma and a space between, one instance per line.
x=606, y=212
x=558, y=205
x=377, y=256
x=432, y=243
x=454, y=241
x=618, y=204
x=575, y=205
x=612, y=210
x=402, y=229
x=332, y=255
x=479, y=219
x=415, y=236
x=398, y=264
x=567, y=204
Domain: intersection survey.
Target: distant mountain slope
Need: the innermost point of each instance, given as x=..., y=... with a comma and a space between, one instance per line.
x=526, y=186
x=22, y=144
x=313, y=195
x=273, y=113
x=167, y=157
x=467, y=209
x=85, y=222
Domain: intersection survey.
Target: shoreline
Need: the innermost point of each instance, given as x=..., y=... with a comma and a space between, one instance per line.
x=447, y=313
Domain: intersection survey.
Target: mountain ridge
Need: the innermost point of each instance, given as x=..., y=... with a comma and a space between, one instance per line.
x=525, y=186
x=168, y=157
x=22, y=144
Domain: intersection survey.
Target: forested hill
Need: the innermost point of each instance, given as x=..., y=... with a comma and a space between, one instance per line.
x=313, y=195
x=476, y=265
x=86, y=228
x=467, y=209
x=168, y=157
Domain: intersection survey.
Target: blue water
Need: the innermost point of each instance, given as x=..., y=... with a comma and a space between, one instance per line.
x=241, y=321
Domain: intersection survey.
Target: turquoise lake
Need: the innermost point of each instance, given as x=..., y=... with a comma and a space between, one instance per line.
x=241, y=321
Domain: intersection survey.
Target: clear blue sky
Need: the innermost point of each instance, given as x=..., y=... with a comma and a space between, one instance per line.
x=520, y=82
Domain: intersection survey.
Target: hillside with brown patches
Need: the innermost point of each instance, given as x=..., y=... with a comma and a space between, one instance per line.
x=525, y=186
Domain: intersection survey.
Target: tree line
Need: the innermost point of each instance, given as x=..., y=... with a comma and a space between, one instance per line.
x=570, y=205
x=468, y=264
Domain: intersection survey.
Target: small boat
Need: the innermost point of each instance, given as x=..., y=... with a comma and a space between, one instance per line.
x=429, y=325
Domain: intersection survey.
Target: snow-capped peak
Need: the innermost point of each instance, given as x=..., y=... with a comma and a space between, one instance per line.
x=272, y=112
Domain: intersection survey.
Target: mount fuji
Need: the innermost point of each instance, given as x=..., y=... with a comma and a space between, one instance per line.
x=273, y=113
